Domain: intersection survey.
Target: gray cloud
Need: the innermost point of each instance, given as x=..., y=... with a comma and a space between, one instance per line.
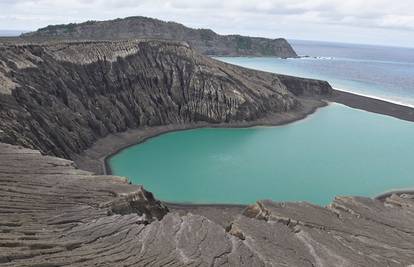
x=266, y=17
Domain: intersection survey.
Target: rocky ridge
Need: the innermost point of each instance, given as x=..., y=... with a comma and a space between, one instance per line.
x=62, y=97
x=52, y=214
x=205, y=41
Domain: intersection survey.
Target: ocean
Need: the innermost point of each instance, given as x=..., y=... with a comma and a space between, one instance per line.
x=376, y=71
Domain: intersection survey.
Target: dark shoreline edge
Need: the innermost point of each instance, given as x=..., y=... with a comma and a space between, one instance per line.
x=96, y=159
x=378, y=106
x=310, y=106
x=385, y=195
x=107, y=167
x=349, y=99
x=373, y=105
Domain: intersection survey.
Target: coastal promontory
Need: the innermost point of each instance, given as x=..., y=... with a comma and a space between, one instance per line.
x=66, y=105
x=204, y=41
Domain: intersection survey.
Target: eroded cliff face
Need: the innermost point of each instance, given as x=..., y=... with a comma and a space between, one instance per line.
x=204, y=41
x=61, y=97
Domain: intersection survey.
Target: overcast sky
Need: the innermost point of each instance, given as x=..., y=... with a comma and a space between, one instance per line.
x=386, y=22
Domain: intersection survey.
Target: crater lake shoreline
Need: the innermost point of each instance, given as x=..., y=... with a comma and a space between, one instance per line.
x=97, y=158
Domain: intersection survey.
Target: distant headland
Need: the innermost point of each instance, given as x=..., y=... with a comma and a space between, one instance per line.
x=66, y=104
x=204, y=41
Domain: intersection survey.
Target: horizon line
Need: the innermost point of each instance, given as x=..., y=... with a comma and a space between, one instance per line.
x=18, y=32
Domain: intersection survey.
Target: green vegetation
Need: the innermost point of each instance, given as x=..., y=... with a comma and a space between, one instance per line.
x=66, y=28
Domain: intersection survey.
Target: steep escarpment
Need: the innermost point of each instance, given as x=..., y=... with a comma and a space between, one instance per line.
x=203, y=40
x=305, y=87
x=52, y=214
x=61, y=97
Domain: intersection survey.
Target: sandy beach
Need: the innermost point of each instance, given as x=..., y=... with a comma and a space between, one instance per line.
x=373, y=105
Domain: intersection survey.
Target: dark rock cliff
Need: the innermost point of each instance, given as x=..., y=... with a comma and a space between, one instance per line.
x=61, y=97
x=204, y=40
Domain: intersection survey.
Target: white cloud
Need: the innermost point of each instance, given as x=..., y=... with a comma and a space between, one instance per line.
x=290, y=18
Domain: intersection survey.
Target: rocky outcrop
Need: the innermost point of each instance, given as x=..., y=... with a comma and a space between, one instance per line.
x=204, y=40
x=305, y=87
x=52, y=214
x=62, y=97
x=352, y=231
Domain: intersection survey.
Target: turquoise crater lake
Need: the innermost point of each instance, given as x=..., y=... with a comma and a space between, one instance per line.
x=336, y=151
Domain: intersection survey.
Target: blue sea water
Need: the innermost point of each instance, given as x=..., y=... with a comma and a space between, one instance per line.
x=376, y=71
